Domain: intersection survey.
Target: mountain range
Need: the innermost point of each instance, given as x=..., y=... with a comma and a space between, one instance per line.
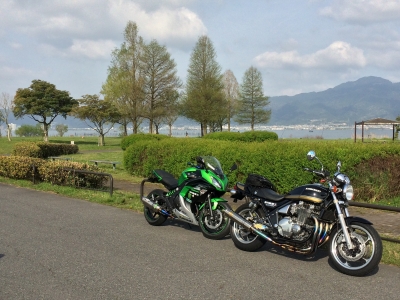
x=364, y=99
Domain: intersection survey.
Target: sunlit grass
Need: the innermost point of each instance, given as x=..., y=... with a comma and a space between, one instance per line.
x=391, y=253
x=121, y=199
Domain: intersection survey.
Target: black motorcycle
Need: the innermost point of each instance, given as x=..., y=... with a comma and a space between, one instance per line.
x=305, y=219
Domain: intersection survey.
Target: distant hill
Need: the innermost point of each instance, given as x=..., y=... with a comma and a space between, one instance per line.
x=364, y=99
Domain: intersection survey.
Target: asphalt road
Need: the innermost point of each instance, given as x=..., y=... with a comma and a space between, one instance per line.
x=53, y=247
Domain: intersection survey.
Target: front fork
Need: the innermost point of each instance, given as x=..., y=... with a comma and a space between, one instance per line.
x=343, y=221
x=210, y=206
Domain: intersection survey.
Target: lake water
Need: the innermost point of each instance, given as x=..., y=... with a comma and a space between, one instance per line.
x=283, y=132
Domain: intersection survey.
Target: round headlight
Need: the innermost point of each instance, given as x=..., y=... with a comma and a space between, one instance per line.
x=348, y=192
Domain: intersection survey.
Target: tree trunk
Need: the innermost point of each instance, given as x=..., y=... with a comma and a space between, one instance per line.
x=46, y=132
x=150, y=126
x=101, y=140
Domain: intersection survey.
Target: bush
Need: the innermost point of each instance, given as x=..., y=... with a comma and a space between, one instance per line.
x=55, y=172
x=247, y=136
x=134, y=138
x=62, y=173
x=43, y=149
x=18, y=167
x=282, y=162
x=56, y=149
x=29, y=149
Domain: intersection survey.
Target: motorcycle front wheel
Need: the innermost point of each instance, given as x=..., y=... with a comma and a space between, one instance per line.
x=216, y=227
x=364, y=257
x=152, y=217
x=243, y=238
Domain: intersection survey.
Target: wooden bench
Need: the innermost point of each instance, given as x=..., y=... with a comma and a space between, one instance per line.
x=53, y=158
x=113, y=163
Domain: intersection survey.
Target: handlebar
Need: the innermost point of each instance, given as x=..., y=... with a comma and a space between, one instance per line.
x=320, y=173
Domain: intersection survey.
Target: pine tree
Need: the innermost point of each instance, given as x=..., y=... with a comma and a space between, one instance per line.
x=204, y=101
x=252, y=102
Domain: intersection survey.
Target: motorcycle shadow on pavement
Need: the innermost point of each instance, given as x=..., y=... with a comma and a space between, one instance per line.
x=187, y=226
x=274, y=249
x=321, y=253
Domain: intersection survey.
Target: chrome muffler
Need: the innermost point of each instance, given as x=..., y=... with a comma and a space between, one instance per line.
x=249, y=226
x=155, y=207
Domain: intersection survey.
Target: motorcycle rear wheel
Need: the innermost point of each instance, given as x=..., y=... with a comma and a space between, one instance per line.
x=219, y=227
x=243, y=238
x=152, y=217
x=366, y=255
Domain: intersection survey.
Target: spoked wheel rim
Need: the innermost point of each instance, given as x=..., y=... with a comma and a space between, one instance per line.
x=219, y=223
x=241, y=233
x=356, y=258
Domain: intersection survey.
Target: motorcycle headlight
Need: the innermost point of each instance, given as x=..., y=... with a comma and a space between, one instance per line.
x=348, y=192
x=216, y=183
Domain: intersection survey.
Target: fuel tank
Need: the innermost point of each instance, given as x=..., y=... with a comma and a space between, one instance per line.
x=315, y=193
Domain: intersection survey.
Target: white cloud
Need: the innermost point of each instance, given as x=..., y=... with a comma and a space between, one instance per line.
x=337, y=55
x=164, y=24
x=59, y=22
x=92, y=49
x=363, y=11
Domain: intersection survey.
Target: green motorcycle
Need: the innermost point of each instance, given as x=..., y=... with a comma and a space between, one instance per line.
x=194, y=198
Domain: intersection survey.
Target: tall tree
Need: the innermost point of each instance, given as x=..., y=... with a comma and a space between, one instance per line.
x=61, y=129
x=172, y=110
x=124, y=85
x=98, y=114
x=43, y=103
x=159, y=72
x=252, y=109
x=231, y=91
x=204, y=87
x=6, y=106
x=29, y=130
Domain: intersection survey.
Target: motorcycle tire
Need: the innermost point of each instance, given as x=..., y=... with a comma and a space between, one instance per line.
x=218, y=228
x=366, y=255
x=152, y=217
x=243, y=238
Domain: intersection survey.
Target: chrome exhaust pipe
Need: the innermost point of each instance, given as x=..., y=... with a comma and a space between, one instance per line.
x=155, y=207
x=249, y=226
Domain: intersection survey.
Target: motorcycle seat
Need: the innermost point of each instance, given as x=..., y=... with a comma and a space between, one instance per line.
x=167, y=179
x=267, y=193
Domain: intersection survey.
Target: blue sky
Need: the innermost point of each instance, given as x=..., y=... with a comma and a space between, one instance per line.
x=298, y=46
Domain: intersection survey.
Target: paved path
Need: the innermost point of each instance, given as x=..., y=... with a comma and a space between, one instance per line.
x=54, y=247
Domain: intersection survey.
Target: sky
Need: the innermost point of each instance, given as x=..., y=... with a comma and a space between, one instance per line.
x=298, y=46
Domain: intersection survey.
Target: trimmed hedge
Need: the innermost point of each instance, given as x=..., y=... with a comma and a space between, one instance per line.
x=134, y=138
x=247, y=136
x=21, y=167
x=43, y=149
x=280, y=161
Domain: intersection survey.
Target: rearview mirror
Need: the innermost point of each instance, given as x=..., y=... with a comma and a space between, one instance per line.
x=310, y=155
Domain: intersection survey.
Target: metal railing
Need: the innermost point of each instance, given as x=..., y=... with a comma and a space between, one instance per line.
x=378, y=207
